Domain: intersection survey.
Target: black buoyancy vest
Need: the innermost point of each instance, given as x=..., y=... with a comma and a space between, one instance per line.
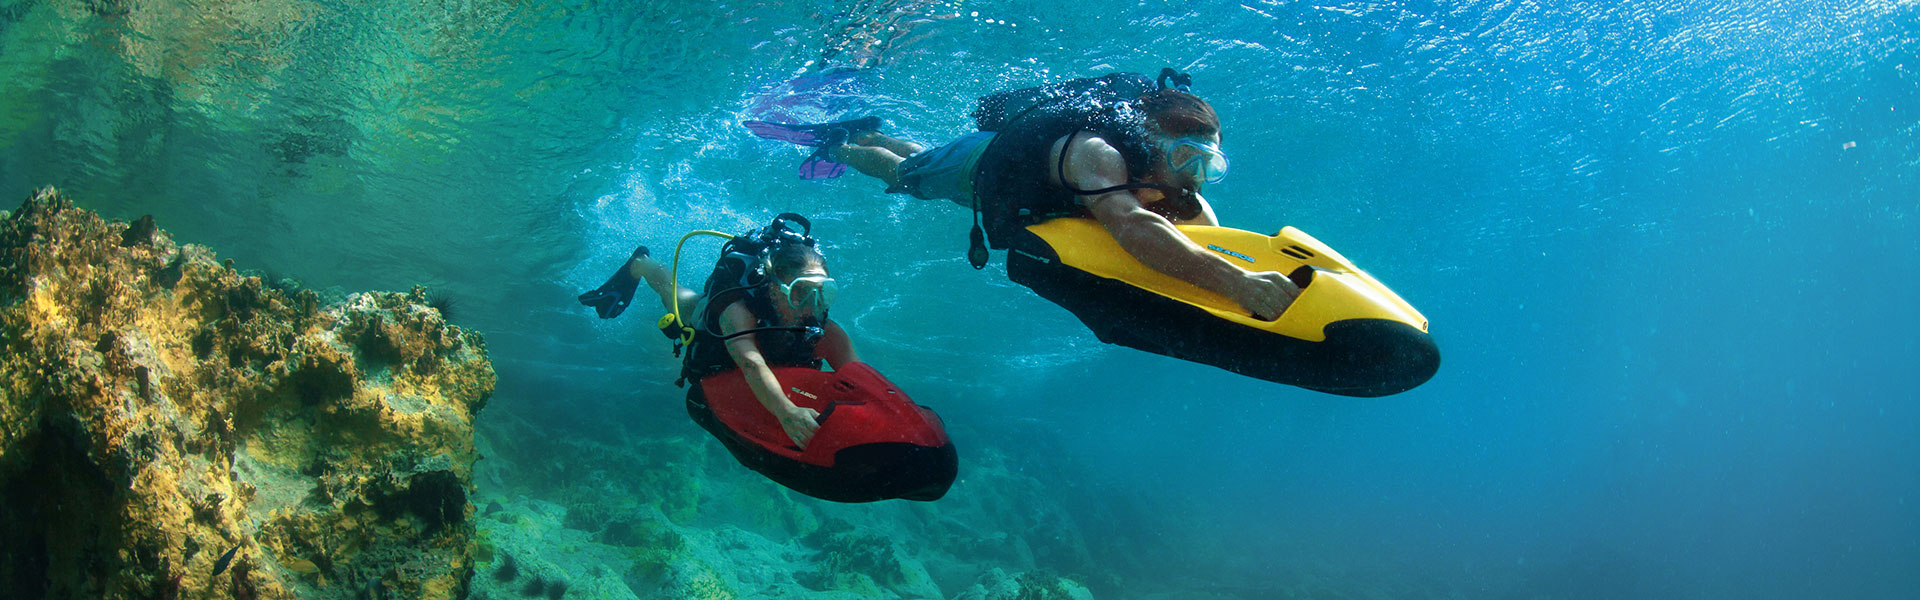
x=737, y=277
x=707, y=354
x=1011, y=186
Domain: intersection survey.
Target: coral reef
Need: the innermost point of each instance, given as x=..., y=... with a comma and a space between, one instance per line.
x=648, y=517
x=1034, y=585
x=865, y=562
x=172, y=428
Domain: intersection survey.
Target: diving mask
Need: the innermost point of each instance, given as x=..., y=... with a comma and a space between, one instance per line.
x=1200, y=158
x=810, y=294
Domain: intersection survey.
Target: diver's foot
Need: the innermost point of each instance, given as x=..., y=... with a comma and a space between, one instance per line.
x=825, y=137
x=839, y=133
x=819, y=134
x=612, y=297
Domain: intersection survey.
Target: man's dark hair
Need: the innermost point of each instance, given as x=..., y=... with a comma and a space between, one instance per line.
x=1178, y=113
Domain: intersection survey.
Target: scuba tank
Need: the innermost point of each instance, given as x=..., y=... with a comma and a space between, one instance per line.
x=1086, y=96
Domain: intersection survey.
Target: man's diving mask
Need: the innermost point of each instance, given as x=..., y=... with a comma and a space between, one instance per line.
x=1201, y=159
x=810, y=294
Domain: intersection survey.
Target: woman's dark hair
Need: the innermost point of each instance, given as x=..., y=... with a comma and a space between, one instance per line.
x=1178, y=113
x=788, y=260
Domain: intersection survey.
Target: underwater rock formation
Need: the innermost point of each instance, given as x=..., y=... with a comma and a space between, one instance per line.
x=171, y=428
x=998, y=585
x=675, y=516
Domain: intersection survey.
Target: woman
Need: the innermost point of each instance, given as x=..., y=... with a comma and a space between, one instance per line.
x=774, y=314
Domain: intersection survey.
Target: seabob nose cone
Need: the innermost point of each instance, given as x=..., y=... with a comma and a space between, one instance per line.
x=1375, y=358
x=888, y=470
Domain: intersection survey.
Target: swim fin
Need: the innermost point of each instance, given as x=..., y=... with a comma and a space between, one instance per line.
x=820, y=165
x=612, y=297
x=814, y=134
x=824, y=136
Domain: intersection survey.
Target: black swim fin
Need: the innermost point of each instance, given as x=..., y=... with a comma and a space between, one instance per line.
x=612, y=297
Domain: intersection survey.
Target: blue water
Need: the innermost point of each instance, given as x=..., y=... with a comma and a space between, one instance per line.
x=1667, y=248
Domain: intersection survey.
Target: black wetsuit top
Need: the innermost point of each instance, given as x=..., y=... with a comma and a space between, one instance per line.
x=707, y=353
x=1013, y=184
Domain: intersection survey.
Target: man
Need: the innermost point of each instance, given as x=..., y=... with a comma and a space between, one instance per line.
x=1136, y=165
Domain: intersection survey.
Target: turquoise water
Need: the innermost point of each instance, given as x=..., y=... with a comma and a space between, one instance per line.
x=1667, y=249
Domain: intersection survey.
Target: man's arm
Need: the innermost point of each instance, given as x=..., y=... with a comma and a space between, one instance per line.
x=1153, y=240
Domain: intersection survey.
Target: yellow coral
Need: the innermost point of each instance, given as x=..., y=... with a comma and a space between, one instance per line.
x=707, y=585
x=166, y=364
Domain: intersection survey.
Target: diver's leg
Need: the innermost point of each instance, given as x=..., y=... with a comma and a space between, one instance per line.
x=875, y=161
x=943, y=172
x=897, y=146
x=647, y=269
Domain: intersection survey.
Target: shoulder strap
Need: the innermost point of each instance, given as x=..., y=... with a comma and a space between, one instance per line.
x=1061, y=169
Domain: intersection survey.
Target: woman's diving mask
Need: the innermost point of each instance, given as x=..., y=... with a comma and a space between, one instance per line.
x=810, y=294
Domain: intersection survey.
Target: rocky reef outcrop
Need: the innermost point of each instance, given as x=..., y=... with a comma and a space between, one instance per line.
x=173, y=428
x=676, y=517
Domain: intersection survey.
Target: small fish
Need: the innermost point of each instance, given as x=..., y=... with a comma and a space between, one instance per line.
x=220, y=566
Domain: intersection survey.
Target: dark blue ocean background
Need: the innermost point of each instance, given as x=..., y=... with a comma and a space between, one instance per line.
x=1668, y=249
